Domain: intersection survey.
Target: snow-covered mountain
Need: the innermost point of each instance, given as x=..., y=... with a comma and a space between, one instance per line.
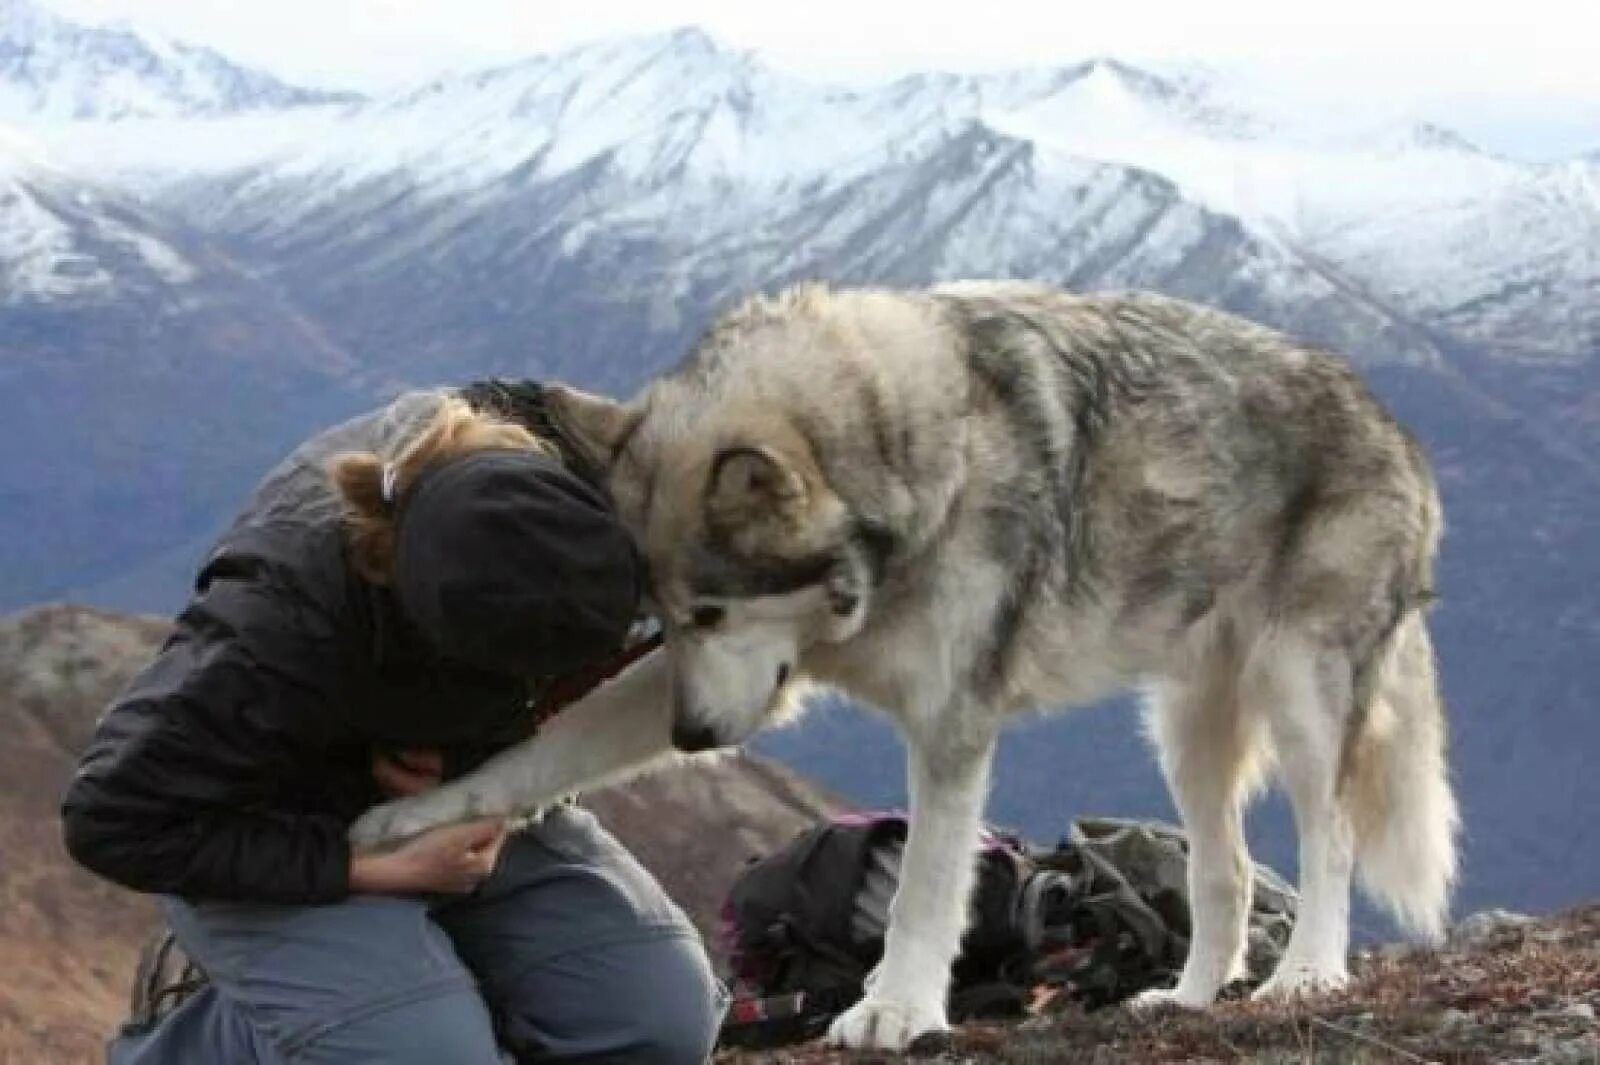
x=65, y=241
x=1388, y=241
x=581, y=214
x=54, y=68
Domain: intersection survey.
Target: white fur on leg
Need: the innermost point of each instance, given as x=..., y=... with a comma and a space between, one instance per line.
x=616, y=730
x=1315, y=958
x=907, y=996
x=1307, y=724
x=1206, y=752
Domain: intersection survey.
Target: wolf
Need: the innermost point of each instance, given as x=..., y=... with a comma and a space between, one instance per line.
x=984, y=498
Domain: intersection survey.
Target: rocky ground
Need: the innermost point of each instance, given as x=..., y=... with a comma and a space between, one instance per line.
x=1505, y=989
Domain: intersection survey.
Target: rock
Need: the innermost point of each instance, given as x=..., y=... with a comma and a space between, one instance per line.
x=1485, y=925
x=1581, y=1011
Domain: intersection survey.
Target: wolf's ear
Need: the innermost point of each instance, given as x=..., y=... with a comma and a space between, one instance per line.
x=597, y=426
x=748, y=484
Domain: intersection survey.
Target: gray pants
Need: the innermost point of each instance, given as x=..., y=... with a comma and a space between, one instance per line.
x=570, y=952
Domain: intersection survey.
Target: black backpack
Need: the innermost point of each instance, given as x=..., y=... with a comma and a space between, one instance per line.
x=803, y=928
x=1098, y=918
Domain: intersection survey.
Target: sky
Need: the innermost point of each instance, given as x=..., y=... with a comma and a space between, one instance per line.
x=1520, y=77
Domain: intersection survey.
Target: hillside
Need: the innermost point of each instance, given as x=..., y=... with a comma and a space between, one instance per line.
x=1502, y=991
x=69, y=940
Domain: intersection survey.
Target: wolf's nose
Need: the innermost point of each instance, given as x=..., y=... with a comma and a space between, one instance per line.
x=692, y=738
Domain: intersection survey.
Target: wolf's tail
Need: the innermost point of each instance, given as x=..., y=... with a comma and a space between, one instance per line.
x=1397, y=788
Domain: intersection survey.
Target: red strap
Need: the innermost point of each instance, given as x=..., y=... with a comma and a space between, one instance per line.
x=775, y=1008
x=571, y=687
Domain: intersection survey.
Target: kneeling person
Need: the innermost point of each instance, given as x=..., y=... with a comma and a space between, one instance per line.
x=401, y=583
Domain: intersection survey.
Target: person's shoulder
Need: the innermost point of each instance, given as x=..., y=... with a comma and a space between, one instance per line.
x=287, y=567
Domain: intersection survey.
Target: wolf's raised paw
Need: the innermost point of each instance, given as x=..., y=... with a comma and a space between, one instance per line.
x=389, y=823
x=884, y=1024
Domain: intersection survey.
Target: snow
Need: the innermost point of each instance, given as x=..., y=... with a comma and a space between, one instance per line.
x=38, y=257
x=55, y=70
x=49, y=222
x=675, y=135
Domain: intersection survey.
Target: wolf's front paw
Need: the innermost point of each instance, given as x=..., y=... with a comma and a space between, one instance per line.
x=884, y=1024
x=1157, y=997
x=389, y=823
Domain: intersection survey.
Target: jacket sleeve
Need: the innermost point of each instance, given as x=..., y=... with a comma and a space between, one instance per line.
x=174, y=792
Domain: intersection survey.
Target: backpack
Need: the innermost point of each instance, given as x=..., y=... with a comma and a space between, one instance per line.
x=1097, y=919
x=804, y=927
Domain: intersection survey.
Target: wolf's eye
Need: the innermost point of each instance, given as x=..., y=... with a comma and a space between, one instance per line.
x=707, y=617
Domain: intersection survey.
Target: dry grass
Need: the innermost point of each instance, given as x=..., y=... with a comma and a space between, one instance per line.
x=1519, y=995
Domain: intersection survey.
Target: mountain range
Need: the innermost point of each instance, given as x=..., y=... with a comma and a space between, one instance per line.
x=200, y=263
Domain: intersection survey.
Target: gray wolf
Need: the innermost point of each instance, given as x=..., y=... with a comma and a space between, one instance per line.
x=984, y=498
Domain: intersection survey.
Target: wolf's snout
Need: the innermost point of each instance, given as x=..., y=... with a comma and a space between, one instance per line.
x=691, y=738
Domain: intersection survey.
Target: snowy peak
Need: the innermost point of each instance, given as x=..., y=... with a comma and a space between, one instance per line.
x=52, y=68
x=1424, y=136
x=686, y=57
x=64, y=240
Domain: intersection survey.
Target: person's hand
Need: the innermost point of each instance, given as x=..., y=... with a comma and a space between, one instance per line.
x=410, y=772
x=451, y=860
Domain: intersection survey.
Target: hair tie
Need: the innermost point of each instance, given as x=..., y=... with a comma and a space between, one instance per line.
x=390, y=474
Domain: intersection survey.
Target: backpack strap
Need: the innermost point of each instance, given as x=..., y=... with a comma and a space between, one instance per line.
x=164, y=978
x=754, y=1023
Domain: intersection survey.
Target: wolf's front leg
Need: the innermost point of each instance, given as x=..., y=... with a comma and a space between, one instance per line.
x=619, y=728
x=949, y=779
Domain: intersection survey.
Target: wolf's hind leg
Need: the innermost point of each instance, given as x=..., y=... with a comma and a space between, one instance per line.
x=1207, y=744
x=1309, y=701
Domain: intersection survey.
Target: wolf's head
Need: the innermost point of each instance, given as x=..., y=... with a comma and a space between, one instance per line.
x=754, y=559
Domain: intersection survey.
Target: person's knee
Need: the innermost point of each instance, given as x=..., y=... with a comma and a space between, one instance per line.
x=652, y=1001
x=448, y=1025
x=676, y=1013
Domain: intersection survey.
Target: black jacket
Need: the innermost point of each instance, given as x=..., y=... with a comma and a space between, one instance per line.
x=232, y=765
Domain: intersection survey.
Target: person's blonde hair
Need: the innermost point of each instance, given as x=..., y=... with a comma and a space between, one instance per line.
x=455, y=429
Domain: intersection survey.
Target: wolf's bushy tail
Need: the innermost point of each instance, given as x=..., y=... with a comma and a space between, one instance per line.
x=1397, y=787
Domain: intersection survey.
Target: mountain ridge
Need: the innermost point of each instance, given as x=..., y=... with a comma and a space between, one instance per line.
x=58, y=68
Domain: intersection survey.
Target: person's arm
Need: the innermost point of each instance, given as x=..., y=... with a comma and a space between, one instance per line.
x=173, y=794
